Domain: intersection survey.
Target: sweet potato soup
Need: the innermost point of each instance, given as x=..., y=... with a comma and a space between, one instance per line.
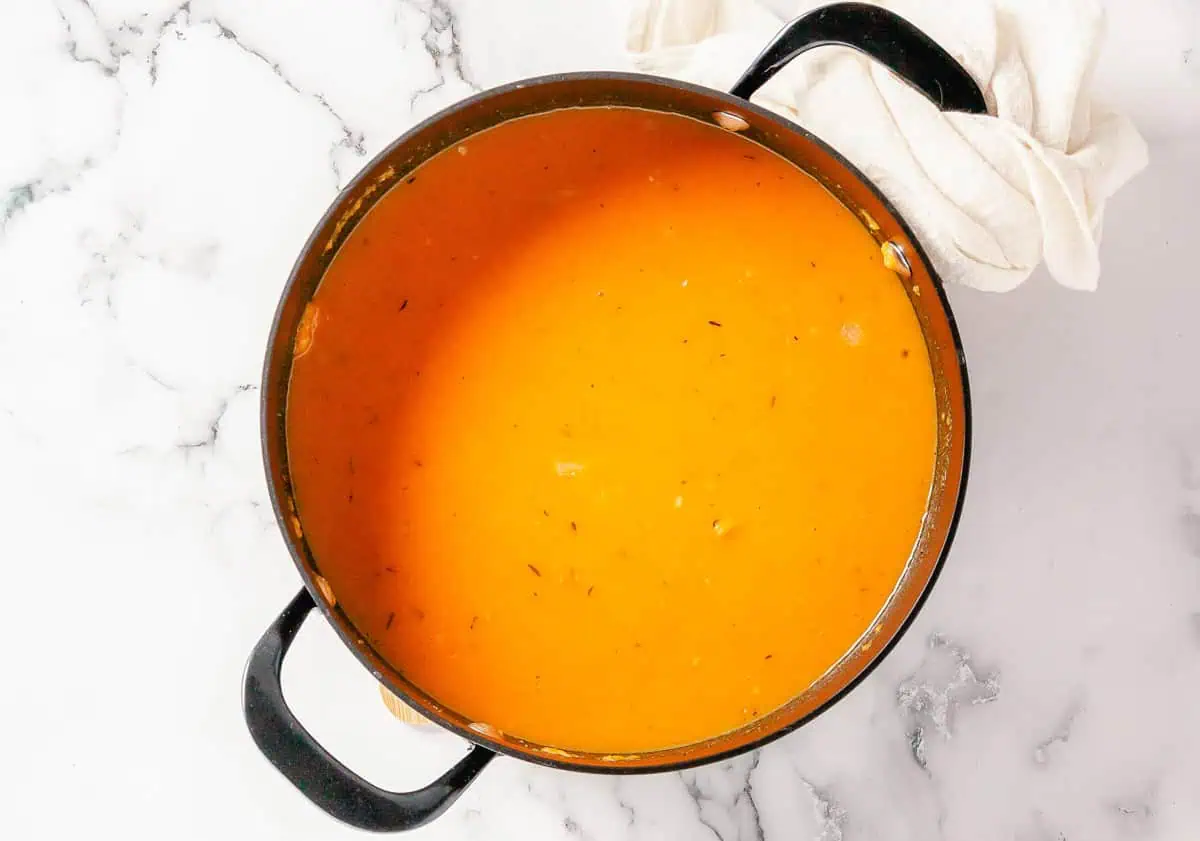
x=610, y=429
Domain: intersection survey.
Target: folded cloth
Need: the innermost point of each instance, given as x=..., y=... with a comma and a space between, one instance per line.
x=989, y=196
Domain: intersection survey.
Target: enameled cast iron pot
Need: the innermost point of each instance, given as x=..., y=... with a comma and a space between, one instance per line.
x=879, y=34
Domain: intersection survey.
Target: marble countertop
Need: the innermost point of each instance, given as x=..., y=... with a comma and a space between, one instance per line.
x=162, y=163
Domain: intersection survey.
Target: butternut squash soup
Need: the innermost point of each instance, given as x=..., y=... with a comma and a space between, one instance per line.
x=610, y=429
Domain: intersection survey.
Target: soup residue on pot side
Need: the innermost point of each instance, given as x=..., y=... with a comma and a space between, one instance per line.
x=613, y=430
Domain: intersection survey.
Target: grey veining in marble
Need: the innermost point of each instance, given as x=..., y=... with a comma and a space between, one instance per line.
x=161, y=163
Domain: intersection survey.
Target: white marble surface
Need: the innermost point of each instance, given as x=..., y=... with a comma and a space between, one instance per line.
x=161, y=164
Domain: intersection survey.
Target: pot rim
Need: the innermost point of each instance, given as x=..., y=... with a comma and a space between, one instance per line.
x=346, y=630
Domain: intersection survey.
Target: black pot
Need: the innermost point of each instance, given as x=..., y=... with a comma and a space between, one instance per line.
x=878, y=33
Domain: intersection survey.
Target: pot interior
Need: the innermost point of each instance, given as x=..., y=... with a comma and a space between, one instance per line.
x=588, y=90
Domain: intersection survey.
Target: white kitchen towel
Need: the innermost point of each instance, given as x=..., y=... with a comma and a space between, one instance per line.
x=990, y=196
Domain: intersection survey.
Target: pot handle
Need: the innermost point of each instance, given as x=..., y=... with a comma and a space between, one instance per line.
x=884, y=36
x=321, y=778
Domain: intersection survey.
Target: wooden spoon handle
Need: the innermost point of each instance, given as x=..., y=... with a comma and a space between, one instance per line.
x=400, y=709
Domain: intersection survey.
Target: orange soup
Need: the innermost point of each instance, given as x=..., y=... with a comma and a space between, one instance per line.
x=610, y=429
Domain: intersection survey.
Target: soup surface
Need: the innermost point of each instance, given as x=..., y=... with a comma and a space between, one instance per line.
x=610, y=429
